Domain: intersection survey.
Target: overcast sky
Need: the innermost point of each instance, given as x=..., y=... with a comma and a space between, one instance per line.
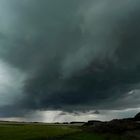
x=68, y=58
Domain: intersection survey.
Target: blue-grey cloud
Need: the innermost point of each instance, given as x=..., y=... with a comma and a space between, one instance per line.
x=77, y=55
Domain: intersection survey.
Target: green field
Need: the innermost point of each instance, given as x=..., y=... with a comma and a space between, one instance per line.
x=33, y=132
x=45, y=132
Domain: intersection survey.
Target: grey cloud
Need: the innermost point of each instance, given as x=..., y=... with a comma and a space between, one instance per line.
x=77, y=55
x=10, y=84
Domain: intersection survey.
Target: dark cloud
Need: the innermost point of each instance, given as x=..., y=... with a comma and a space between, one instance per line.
x=77, y=55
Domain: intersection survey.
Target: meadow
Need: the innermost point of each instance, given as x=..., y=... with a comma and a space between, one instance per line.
x=33, y=131
x=23, y=131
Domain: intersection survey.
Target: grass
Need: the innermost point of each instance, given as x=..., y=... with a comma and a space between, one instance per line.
x=34, y=132
x=84, y=136
x=48, y=132
x=92, y=136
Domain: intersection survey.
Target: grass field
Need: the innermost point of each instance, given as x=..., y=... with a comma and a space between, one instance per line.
x=46, y=132
x=33, y=132
x=83, y=136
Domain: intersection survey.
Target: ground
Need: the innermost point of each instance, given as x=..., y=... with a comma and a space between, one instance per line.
x=38, y=131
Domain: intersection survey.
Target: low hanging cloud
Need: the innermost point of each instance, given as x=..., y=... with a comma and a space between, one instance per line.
x=10, y=84
x=76, y=55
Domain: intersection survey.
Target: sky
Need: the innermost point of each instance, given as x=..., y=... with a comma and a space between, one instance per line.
x=67, y=60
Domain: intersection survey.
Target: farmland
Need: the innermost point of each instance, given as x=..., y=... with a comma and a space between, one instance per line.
x=40, y=131
x=16, y=131
x=11, y=131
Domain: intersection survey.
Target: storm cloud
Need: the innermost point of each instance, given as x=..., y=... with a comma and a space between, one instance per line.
x=74, y=55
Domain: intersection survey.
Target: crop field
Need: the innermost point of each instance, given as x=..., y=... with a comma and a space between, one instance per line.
x=23, y=131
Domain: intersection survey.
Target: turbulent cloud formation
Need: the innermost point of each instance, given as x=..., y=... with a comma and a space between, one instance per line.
x=8, y=91
x=76, y=55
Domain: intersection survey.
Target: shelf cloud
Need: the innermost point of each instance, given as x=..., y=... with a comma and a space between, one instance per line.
x=70, y=55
